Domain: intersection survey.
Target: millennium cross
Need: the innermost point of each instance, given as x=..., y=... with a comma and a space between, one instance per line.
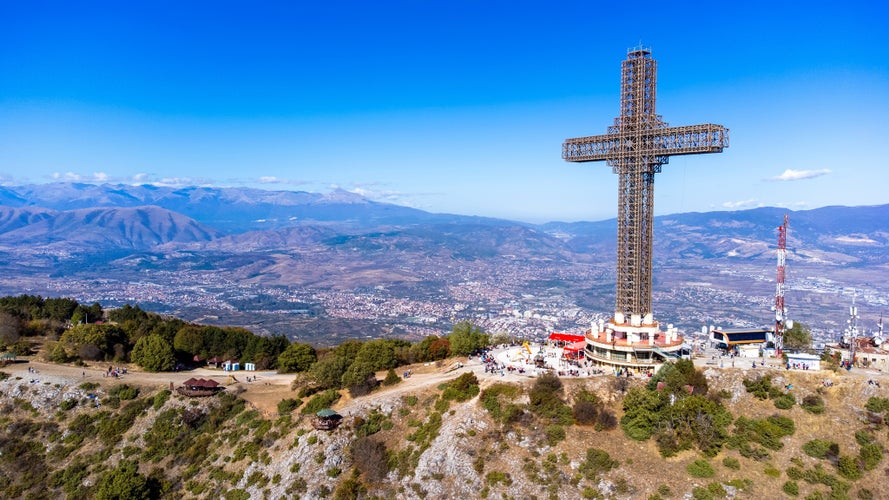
x=635, y=147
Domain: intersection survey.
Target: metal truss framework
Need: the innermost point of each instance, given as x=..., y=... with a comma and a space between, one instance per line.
x=636, y=147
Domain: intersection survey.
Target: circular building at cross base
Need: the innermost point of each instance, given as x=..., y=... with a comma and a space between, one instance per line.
x=636, y=344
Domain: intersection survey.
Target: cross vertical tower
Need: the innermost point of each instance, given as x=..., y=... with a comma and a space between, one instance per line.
x=636, y=147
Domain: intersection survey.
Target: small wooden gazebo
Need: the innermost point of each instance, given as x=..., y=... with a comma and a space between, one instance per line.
x=7, y=357
x=326, y=420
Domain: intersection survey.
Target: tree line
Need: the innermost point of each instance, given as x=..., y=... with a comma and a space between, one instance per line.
x=79, y=333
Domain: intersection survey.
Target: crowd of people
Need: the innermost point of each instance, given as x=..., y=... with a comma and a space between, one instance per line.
x=115, y=372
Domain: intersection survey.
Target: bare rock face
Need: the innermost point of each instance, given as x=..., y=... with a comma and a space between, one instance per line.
x=448, y=457
x=44, y=393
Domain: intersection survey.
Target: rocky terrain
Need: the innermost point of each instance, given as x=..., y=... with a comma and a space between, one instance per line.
x=415, y=445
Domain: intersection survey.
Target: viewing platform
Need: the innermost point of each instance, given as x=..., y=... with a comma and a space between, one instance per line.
x=637, y=343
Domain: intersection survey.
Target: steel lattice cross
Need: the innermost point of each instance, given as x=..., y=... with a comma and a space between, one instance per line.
x=635, y=147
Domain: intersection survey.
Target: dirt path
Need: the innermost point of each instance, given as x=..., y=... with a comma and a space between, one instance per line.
x=266, y=389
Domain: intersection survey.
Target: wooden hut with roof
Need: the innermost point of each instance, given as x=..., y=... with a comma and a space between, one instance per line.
x=197, y=387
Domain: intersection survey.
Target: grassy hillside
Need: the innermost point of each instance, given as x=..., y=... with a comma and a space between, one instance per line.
x=463, y=434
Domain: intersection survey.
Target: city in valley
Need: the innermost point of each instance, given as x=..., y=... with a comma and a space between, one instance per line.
x=324, y=268
x=324, y=300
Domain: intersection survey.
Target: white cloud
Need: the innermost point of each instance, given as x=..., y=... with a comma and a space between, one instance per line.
x=734, y=205
x=796, y=175
x=796, y=205
x=67, y=177
x=100, y=177
x=271, y=179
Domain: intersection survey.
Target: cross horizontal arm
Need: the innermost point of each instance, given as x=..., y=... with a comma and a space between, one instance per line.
x=651, y=143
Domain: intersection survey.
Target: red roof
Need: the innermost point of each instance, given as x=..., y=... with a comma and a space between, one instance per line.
x=566, y=337
x=199, y=382
x=576, y=346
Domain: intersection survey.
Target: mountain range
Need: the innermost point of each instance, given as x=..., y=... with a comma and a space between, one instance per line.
x=231, y=238
x=88, y=217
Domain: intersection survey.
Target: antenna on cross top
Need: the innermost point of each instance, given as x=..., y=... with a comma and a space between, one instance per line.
x=639, y=48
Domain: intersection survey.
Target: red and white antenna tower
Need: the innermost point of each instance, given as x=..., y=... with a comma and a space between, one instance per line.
x=780, y=311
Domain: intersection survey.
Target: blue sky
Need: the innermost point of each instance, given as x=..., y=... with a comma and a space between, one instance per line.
x=455, y=106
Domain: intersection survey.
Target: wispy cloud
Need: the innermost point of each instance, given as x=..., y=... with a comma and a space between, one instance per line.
x=797, y=175
x=75, y=177
x=734, y=205
x=795, y=205
x=271, y=179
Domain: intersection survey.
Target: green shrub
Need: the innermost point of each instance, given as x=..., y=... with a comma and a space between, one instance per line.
x=546, y=400
x=870, y=455
x=392, y=378
x=554, y=434
x=731, y=463
x=771, y=471
x=791, y=488
x=462, y=388
x=784, y=401
x=68, y=404
x=286, y=406
x=497, y=400
x=597, y=461
x=160, y=399
x=716, y=489
x=795, y=473
x=321, y=401
x=762, y=387
x=765, y=432
x=701, y=493
x=818, y=448
x=692, y=421
x=368, y=426
x=700, y=468
x=351, y=487
x=123, y=392
x=124, y=481
x=864, y=437
x=849, y=468
x=741, y=484
x=876, y=404
x=88, y=386
x=813, y=403
x=496, y=477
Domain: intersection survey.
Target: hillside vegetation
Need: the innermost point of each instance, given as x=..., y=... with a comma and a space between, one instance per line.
x=706, y=434
x=455, y=430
